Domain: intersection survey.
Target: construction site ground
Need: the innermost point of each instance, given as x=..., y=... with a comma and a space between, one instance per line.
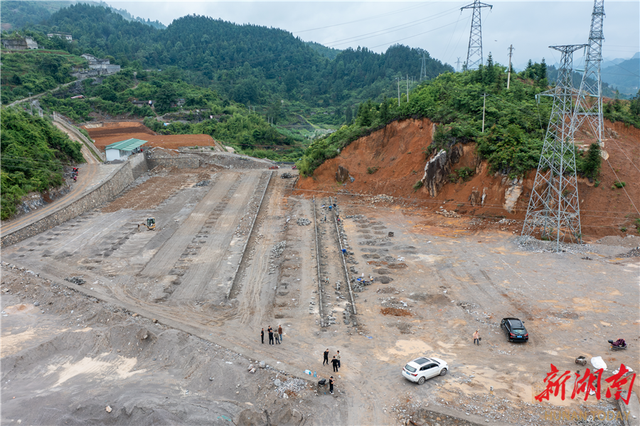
x=107, y=322
x=106, y=133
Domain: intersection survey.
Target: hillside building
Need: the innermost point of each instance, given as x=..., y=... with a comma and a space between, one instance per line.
x=121, y=150
x=65, y=36
x=19, y=43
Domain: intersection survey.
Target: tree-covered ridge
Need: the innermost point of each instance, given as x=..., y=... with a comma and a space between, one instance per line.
x=34, y=72
x=16, y=14
x=327, y=52
x=515, y=123
x=33, y=153
x=248, y=63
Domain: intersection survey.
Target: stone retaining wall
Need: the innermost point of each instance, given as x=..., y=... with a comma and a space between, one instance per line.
x=108, y=190
x=179, y=162
x=139, y=165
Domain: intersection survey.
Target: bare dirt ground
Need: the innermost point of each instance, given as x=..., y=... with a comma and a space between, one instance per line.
x=108, y=133
x=164, y=324
x=390, y=161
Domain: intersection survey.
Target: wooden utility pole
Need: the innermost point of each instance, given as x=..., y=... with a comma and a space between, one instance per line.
x=484, y=106
x=509, y=72
x=398, y=91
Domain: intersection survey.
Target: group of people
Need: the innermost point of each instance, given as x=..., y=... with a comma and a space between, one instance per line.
x=74, y=174
x=335, y=361
x=275, y=336
x=331, y=206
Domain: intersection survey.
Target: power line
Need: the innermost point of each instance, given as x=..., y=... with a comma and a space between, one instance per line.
x=363, y=19
x=625, y=191
x=390, y=29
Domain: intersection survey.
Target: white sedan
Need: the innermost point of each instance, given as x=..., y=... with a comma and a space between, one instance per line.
x=421, y=369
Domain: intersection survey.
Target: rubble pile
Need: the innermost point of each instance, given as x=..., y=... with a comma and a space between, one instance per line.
x=447, y=213
x=303, y=222
x=286, y=175
x=203, y=183
x=382, y=198
x=278, y=249
x=75, y=280
x=631, y=253
x=288, y=388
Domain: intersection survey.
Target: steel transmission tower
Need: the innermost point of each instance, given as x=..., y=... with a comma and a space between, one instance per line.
x=474, y=53
x=423, y=70
x=589, y=100
x=554, y=207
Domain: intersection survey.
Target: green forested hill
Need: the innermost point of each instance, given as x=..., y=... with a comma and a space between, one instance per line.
x=16, y=14
x=515, y=124
x=33, y=153
x=248, y=63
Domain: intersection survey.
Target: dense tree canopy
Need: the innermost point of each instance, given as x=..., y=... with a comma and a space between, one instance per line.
x=33, y=153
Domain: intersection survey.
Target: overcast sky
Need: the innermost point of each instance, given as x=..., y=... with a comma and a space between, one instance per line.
x=436, y=26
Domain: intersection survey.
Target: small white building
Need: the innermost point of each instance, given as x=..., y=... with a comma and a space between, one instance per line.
x=65, y=36
x=121, y=150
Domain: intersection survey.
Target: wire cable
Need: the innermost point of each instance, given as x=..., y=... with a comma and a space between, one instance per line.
x=363, y=19
x=625, y=154
x=625, y=191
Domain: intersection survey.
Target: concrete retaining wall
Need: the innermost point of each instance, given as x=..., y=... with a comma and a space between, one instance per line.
x=138, y=165
x=113, y=185
x=180, y=162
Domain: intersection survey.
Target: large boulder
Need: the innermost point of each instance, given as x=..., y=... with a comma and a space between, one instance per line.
x=342, y=174
x=438, y=169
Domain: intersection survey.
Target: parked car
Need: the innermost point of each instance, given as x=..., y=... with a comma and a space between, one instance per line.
x=421, y=369
x=516, y=332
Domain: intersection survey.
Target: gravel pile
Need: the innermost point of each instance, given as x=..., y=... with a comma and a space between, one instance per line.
x=631, y=253
x=75, y=280
x=289, y=388
x=303, y=222
x=278, y=249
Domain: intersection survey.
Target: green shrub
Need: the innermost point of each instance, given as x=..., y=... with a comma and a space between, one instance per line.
x=33, y=154
x=619, y=184
x=465, y=173
x=372, y=170
x=418, y=185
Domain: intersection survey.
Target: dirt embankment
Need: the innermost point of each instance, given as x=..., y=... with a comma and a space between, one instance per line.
x=391, y=161
x=108, y=133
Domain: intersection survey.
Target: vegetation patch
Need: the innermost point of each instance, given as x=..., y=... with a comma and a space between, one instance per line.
x=33, y=154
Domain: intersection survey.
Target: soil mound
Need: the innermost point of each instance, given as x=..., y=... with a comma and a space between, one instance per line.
x=107, y=133
x=391, y=161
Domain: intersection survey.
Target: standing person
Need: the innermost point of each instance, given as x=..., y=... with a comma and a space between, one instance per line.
x=276, y=336
x=476, y=338
x=335, y=363
x=262, y=336
x=331, y=385
x=280, y=332
x=326, y=357
x=338, y=358
x=270, y=331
